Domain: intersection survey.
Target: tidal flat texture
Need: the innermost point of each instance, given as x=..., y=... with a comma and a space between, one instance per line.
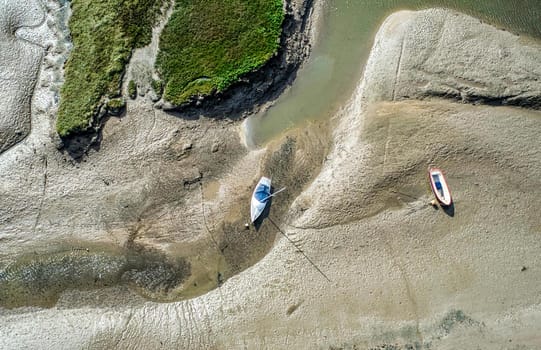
x=19, y=67
x=373, y=265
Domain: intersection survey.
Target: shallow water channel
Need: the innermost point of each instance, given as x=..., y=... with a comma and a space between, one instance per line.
x=344, y=41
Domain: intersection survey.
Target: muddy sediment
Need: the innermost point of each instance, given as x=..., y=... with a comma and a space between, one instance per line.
x=292, y=163
x=141, y=186
x=372, y=264
x=188, y=268
x=40, y=279
x=19, y=70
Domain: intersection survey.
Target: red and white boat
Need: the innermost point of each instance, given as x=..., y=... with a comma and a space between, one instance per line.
x=439, y=186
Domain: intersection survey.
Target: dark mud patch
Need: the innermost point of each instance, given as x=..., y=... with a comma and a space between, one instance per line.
x=78, y=145
x=406, y=338
x=291, y=309
x=40, y=279
x=524, y=100
x=454, y=319
x=293, y=164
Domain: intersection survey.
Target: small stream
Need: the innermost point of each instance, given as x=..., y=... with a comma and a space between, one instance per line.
x=345, y=38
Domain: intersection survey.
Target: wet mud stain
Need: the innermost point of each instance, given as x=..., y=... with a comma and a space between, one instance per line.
x=292, y=163
x=290, y=310
x=40, y=279
x=405, y=338
x=188, y=269
x=210, y=190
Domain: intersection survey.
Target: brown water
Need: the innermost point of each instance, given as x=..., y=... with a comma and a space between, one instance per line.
x=346, y=36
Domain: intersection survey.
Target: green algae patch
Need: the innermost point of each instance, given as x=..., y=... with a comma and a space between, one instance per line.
x=40, y=279
x=208, y=45
x=104, y=33
x=132, y=90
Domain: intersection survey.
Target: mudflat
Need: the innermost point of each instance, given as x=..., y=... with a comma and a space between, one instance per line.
x=373, y=265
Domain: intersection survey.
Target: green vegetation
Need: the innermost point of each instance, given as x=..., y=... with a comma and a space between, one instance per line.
x=207, y=45
x=116, y=103
x=157, y=86
x=132, y=90
x=104, y=32
x=115, y=106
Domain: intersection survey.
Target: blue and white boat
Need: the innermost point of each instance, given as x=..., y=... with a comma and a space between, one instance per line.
x=260, y=197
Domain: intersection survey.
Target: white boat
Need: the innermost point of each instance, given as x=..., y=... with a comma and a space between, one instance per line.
x=439, y=186
x=260, y=197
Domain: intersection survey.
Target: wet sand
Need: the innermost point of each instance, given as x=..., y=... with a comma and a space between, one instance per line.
x=379, y=268
x=142, y=192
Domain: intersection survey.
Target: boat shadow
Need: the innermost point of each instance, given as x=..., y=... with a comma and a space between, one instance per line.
x=449, y=209
x=265, y=214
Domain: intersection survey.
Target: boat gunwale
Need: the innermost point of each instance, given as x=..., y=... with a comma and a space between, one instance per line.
x=434, y=190
x=263, y=180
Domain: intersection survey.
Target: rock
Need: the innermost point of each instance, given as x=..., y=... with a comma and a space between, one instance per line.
x=187, y=146
x=215, y=147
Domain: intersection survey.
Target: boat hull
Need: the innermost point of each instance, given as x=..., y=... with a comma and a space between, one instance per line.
x=439, y=186
x=260, y=198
